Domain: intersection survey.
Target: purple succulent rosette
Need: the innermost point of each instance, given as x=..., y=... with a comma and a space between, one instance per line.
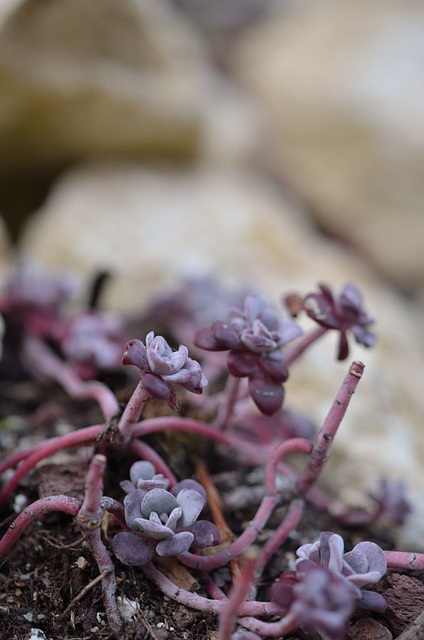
x=365, y=564
x=254, y=337
x=161, y=521
x=34, y=298
x=161, y=368
x=392, y=500
x=327, y=585
x=344, y=313
x=92, y=341
x=320, y=600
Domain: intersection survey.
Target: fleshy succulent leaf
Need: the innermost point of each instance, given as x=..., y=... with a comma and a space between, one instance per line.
x=132, y=549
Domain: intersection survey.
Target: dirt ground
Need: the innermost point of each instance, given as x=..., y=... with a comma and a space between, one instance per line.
x=42, y=583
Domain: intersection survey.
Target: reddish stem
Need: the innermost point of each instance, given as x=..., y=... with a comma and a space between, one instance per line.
x=144, y=452
x=116, y=509
x=329, y=429
x=90, y=514
x=155, y=425
x=237, y=596
x=228, y=400
x=35, y=510
x=76, y=438
x=44, y=361
x=194, y=601
x=132, y=411
x=105, y=564
x=280, y=535
x=268, y=504
x=405, y=560
x=271, y=629
x=302, y=344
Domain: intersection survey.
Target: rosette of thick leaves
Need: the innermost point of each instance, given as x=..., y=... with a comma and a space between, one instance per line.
x=143, y=476
x=392, y=500
x=92, y=341
x=344, y=313
x=161, y=368
x=319, y=600
x=254, y=337
x=161, y=521
x=365, y=564
x=33, y=299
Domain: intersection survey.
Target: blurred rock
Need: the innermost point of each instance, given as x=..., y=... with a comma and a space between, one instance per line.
x=150, y=228
x=102, y=78
x=6, y=252
x=368, y=629
x=342, y=86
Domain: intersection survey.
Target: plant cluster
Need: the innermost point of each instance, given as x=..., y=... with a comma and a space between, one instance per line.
x=159, y=514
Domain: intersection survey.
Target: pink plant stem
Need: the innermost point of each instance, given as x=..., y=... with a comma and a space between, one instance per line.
x=211, y=587
x=194, y=601
x=302, y=344
x=44, y=361
x=290, y=522
x=155, y=425
x=116, y=509
x=268, y=504
x=229, y=397
x=34, y=511
x=329, y=429
x=76, y=438
x=105, y=565
x=405, y=560
x=89, y=519
x=229, y=613
x=144, y=452
x=271, y=629
x=90, y=514
x=132, y=411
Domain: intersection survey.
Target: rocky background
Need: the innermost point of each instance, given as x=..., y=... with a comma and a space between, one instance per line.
x=275, y=142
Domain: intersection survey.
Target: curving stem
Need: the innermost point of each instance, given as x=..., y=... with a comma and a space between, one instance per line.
x=329, y=429
x=39, y=357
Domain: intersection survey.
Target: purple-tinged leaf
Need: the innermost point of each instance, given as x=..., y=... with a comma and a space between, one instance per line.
x=277, y=369
x=367, y=562
x=141, y=470
x=191, y=503
x=205, y=534
x=155, y=483
x=241, y=363
x=206, y=340
x=373, y=601
x=173, y=518
x=132, y=549
x=127, y=486
x=266, y=393
x=189, y=484
x=155, y=530
x=225, y=335
x=175, y=546
x=158, y=500
x=282, y=591
x=155, y=387
x=132, y=503
x=135, y=353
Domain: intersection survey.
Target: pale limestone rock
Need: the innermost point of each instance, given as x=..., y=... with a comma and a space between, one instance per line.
x=101, y=78
x=152, y=227
x=112, y=78
x=342, y=86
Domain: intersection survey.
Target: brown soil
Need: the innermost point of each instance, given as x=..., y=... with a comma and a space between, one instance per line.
x=51, y=565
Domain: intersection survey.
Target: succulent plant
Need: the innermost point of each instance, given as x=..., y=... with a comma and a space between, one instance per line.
x=254, y=337
x=344, y=313
x=165, y=522
x=161, y=368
